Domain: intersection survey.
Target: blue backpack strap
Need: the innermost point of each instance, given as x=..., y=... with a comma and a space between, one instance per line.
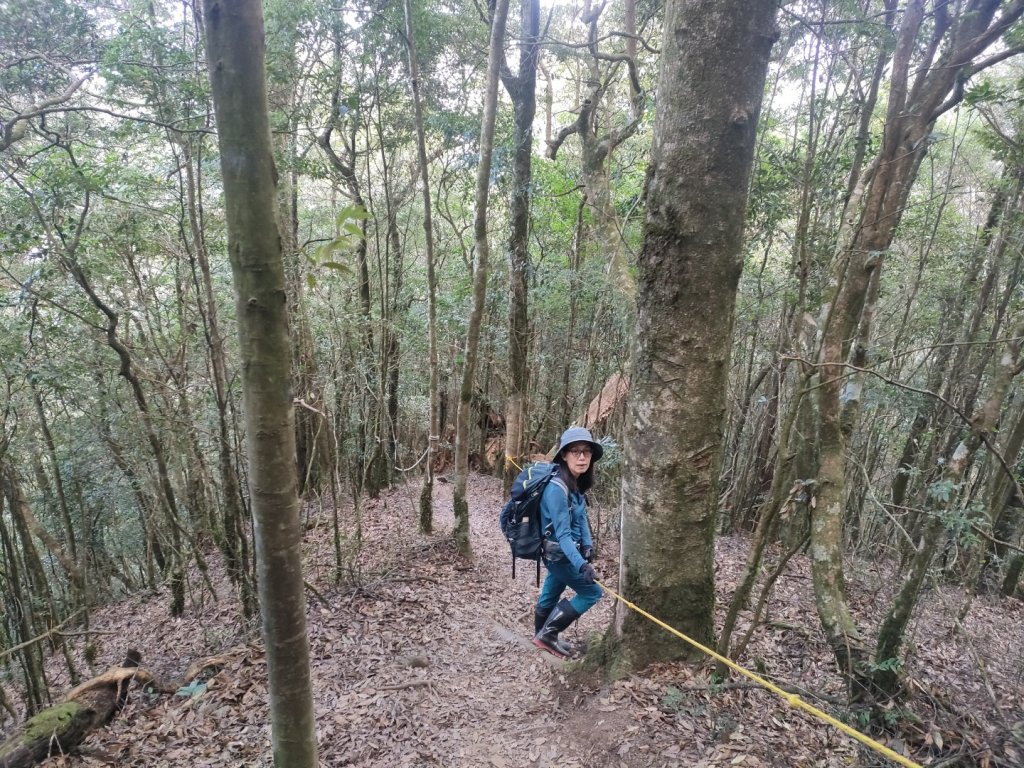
x=556, y=480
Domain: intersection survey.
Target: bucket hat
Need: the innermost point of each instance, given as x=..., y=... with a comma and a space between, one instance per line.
x=580, y=435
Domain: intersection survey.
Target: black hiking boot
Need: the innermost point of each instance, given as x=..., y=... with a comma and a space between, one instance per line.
x=540, y=617
x=547, y=638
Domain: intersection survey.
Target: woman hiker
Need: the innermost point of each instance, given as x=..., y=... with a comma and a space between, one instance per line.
x=568, y=545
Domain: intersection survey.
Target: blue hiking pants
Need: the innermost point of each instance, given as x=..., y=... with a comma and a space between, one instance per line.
x=561, y=575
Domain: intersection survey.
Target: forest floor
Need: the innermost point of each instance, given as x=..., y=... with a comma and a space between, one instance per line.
x=421, y=659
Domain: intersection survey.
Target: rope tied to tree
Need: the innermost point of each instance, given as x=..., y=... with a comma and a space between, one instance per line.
x=791, y=698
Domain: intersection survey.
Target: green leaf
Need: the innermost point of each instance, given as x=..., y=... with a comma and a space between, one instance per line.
x=353, y=211
x=887, y=665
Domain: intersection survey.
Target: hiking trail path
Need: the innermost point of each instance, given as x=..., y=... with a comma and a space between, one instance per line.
x=422, y=659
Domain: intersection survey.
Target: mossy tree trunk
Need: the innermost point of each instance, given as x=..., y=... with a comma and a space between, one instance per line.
x=235, y=53
x=60, y=728
x=713, y=69
x=54, y=731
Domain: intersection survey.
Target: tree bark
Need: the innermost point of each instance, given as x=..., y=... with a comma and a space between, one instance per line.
x=235, y=53
x=713, y=69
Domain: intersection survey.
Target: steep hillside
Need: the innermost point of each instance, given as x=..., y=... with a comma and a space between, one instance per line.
x=421, y=659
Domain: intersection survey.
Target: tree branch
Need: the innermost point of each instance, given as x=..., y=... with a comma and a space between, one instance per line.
x=983, y=436
x=14, y=129
x=577, y=126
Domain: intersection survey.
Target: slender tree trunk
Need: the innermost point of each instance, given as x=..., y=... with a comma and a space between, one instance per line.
x=597, y=146
x=427, y=492
x=167, y=494
x=30, y=600
x=1012, y=577
x=58, y=477
x=886, y=677
x=522, y=88
x=231, y=534
x=313, y=455
x=1001, y=504
x=713, y=69
x=576, y=257
x=390, y=277
x=481, y=247
x=147, y=506
x=343, y=163
x=235, y=53
x=921, y=88
x=1004, y=505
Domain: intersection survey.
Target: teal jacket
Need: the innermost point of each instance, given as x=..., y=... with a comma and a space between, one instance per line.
x=564, y=521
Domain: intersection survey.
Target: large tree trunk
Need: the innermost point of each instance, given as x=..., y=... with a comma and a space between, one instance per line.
x=482, y=248
x=713, y=69
x=235, y=55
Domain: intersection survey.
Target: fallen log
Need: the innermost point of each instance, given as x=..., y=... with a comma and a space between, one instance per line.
x=62, y=727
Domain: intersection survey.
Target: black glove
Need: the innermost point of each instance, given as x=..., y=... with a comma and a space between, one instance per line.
x=588, y=573
x=588, y=554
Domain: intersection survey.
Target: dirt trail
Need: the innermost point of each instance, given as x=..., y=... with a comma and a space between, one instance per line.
x=424, y=660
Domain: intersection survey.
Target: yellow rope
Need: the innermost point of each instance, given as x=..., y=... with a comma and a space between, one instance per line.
x=510, y=460
x=792, y=699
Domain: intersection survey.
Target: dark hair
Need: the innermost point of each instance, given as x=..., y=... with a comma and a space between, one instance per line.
x=583, y=483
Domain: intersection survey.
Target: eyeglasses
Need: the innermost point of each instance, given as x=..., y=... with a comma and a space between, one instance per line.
x=580, y=452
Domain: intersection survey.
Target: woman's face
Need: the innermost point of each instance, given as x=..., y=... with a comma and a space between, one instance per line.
x=577, y=458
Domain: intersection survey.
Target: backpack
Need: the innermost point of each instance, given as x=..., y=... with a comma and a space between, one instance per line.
x=520, y=517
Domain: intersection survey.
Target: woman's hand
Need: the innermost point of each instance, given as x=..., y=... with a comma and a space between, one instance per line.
x=588, y=573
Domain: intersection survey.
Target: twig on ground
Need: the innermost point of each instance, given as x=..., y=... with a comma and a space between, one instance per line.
x=316, y=593
x=407, y=684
